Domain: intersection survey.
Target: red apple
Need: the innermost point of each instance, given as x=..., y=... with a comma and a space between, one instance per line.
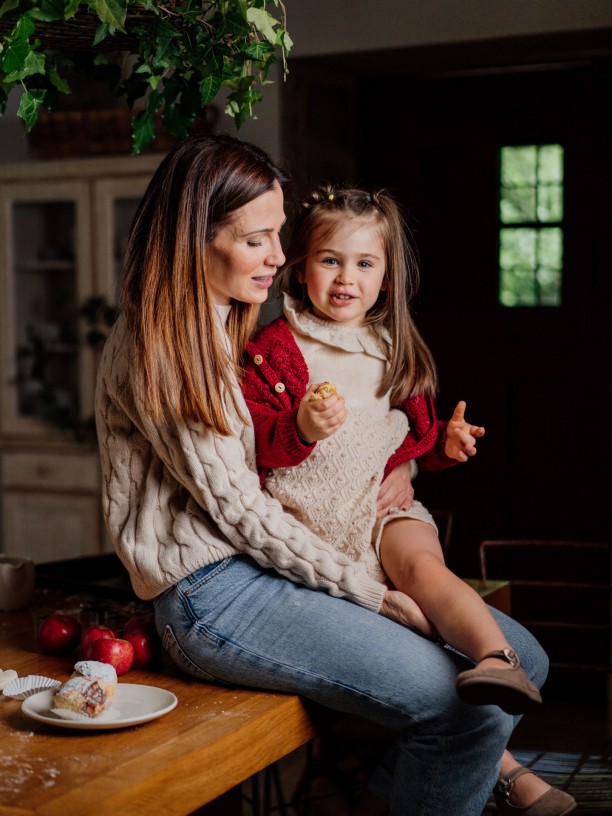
x=58, y=634
x=146, y=646
x=116, y=651
x=93, y=633
x=146, y=622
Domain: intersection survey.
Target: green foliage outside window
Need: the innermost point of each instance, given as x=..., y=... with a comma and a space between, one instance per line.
x=531, y=229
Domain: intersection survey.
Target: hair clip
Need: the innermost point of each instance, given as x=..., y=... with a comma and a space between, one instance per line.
x=369, y=198
x=331, y=196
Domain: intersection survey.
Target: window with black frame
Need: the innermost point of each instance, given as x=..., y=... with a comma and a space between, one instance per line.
x=531, y=225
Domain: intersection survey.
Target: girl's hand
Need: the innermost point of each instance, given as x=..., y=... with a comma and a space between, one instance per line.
x=402, y=609
x=319, y=419
x=461, y=436
x=395, y=491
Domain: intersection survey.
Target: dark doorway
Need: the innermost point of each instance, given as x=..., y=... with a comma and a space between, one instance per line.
x=429, y=126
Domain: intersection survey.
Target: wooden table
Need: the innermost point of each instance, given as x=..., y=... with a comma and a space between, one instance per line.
x=215, y=738
x=212, y=741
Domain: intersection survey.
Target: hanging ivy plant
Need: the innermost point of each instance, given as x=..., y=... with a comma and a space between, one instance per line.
x=168, y=58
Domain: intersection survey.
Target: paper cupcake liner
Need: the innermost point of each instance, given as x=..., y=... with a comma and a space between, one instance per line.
x=6, y=676
x=23, y=687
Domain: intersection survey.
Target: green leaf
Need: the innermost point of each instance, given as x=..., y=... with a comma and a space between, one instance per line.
x=178, y=122
x=71, y=8
x=209, y=87
x=15, y=56
x=49, y=10
x=102, y=32
x=58, y=82
x=256, y=50
x=23, y=29
x=34, y=63
x=283, y=39
x=263, y=22
x=19, y=64
x=112, y=12
x=29, y=105
x=143, y=130
x=7, y=6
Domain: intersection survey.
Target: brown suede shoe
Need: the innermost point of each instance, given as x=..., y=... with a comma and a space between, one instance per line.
x=510, y=689
x=552, y=803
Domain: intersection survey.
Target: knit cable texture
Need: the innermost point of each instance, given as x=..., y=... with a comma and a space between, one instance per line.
x=177, y=497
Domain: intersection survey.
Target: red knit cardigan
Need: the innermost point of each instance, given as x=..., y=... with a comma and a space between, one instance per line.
x=275, y=380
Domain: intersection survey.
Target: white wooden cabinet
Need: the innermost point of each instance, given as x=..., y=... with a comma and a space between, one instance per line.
x=63, y=232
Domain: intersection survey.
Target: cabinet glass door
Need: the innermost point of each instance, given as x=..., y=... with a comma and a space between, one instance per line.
x=44, y=250
x=116, y=202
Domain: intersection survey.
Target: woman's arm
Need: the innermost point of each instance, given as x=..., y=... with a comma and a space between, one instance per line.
x=171, y=488
x=214, y=470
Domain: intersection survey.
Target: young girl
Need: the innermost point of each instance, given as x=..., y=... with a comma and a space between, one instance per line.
x=348, y=281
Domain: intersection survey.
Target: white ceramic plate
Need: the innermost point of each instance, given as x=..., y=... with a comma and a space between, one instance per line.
x=133, y=704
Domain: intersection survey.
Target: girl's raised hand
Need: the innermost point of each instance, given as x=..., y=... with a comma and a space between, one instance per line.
x=319, y=419
x=461, y=436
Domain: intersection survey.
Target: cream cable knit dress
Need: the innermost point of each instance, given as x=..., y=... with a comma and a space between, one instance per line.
x=333, y=492
x=178, y=498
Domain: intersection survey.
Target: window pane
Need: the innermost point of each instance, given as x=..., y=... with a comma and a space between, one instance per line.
x=518, y=248
x=549, y=286
x=550, y=163
x=518, y=204
x=550, y=203
x=550, y=248
x=517, y=288
x=519, y=166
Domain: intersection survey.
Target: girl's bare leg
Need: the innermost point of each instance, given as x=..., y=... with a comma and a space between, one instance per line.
x=412, y=557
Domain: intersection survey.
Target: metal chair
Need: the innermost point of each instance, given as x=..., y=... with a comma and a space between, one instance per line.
x=561, y=592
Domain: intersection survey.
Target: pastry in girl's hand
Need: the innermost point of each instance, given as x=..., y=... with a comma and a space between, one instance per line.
x=326, y=389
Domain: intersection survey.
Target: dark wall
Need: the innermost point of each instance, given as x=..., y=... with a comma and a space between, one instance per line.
x=428, y=125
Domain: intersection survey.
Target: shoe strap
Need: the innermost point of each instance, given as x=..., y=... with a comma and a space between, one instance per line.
x=505, y=784
x=507, y=654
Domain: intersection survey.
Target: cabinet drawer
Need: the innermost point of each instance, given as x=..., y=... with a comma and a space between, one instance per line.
x=49, y=471
x=49, y=528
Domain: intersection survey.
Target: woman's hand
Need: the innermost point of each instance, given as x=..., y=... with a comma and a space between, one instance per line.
x=402, y=609
x=319, y=419
x=461, y=435
x=395, y=491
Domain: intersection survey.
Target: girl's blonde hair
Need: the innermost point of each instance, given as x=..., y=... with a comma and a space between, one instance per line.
x=183, y=361
x=411, y=366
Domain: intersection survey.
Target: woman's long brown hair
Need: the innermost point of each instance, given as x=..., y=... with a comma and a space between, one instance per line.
x=411, y=369
x=182, y=356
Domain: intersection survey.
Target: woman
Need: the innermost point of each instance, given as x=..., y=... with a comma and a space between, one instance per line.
x=243, y=593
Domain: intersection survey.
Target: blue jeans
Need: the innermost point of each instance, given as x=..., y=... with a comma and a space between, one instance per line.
x=234, y=622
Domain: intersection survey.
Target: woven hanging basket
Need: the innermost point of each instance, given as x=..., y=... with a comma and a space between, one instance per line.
x=78, y=33
x=99, y=132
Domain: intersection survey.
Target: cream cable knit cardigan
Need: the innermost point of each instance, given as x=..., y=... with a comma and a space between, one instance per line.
x=179, y=497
